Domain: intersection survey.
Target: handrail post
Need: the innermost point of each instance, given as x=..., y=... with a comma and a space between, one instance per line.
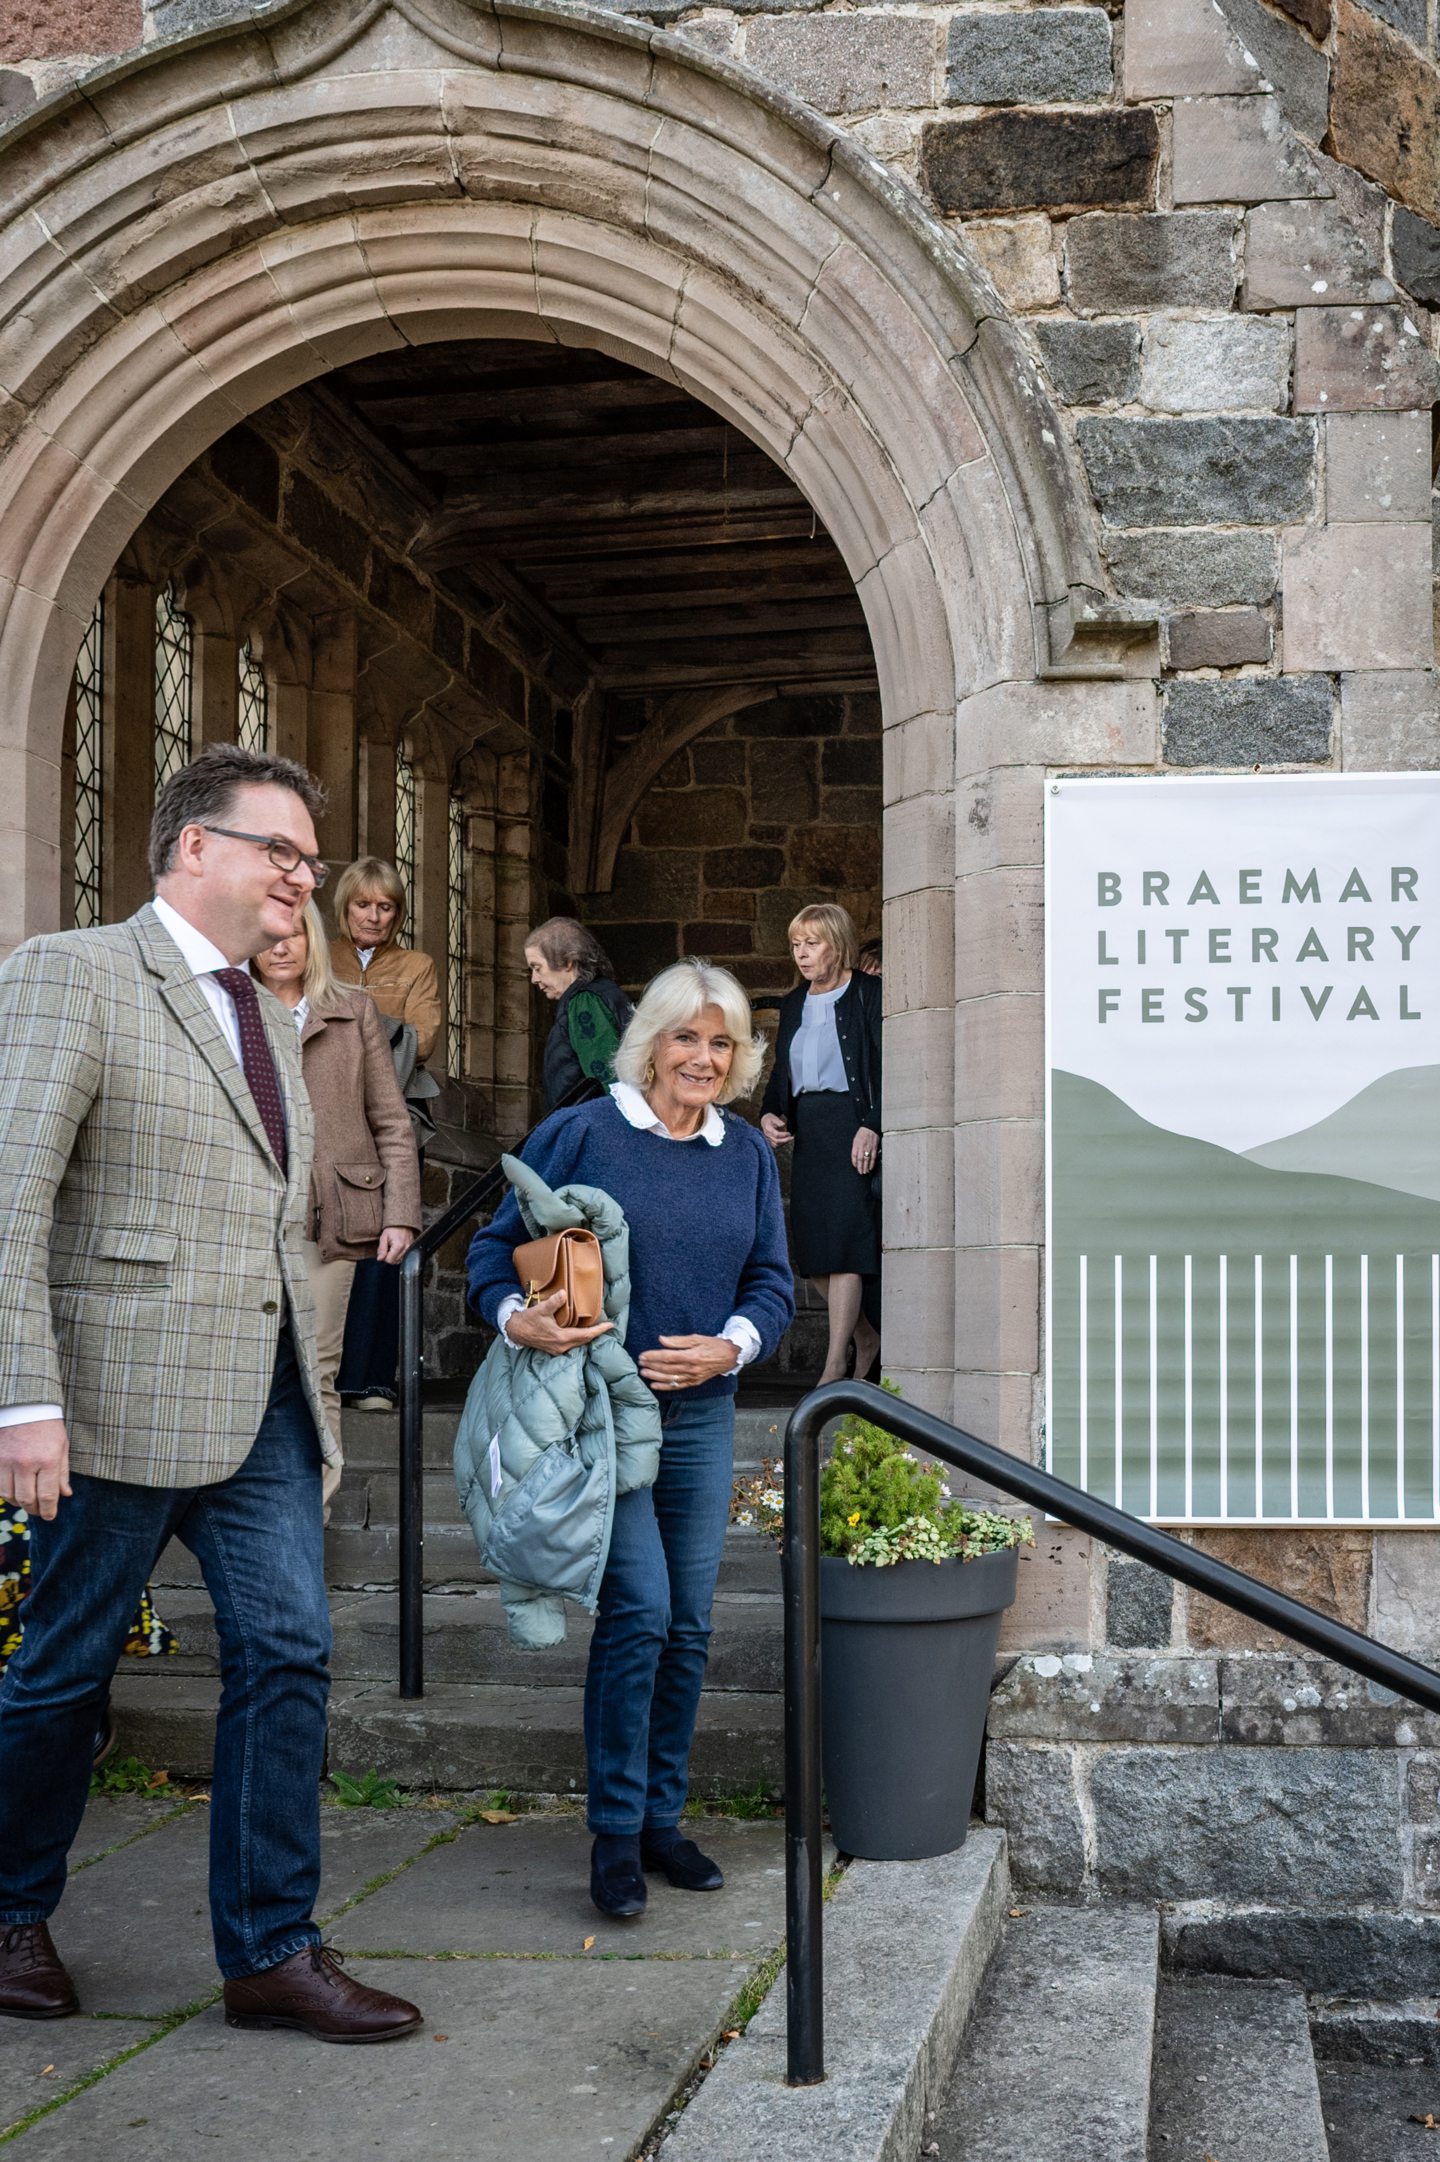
x=412, y=1475
x=800, y=1565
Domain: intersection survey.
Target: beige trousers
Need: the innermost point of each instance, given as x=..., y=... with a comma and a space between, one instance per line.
x=330, y=1283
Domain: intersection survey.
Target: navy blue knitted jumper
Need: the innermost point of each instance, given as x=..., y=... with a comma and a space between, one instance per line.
x=707, y=1236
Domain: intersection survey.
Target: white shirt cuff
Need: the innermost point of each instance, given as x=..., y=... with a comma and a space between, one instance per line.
x=20, y=1414
x=745, y=1337
x=513, y=1305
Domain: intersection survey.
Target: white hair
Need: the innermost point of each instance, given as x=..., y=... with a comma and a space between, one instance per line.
x=676, y=996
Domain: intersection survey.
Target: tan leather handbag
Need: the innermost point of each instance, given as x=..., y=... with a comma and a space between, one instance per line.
x=569, y=1262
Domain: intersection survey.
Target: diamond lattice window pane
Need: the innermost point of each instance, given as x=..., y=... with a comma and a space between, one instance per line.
x=405, y=841
x=253, y=730
x=89, y=768
x=455, y=940
x=174, y=687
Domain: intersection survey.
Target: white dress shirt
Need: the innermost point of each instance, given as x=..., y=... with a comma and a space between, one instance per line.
x=741, y=1333
x=203, y=959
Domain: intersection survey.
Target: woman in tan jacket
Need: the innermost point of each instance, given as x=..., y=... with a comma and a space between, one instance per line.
x=370, y=912
x=365, y=1185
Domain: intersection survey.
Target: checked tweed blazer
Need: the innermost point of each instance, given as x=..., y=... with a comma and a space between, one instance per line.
x=149, y=1241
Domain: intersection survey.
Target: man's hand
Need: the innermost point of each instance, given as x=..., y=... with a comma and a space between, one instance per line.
x=776, y=1132
x=536, y=1329
x=683, y=1362
x=35, y=1465
x=395, y=1244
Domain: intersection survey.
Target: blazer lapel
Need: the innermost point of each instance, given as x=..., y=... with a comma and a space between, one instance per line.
x=183, y=995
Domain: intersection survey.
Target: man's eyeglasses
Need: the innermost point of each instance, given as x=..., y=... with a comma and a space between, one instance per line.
x=283, y=854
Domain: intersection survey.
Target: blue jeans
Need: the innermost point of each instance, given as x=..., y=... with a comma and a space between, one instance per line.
x=259, y=1541
x=652, y=1627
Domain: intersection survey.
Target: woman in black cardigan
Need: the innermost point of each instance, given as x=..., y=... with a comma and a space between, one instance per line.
x=824, y=1095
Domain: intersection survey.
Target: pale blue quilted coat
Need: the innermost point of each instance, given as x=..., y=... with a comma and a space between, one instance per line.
x=546, y=1443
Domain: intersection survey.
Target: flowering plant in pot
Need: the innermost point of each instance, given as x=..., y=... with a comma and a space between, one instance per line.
x=913, y=1583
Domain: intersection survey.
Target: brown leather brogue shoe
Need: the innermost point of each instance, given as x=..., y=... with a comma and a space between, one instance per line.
x=33, y=1981
x=312, y=1991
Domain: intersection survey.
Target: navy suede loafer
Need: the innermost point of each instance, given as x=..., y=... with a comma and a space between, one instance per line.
x=617, y=1883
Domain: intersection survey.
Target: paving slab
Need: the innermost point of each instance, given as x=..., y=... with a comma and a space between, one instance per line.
x=134, y=1928
x=524, y=1887
x=41, y=2058
x=552, y=2060
x=110, y=1820
x=1371, y=2111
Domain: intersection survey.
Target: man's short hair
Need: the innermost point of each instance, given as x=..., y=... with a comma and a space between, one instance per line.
x=203, y=793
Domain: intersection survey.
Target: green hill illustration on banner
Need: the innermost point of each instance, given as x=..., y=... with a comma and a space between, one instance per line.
x=1334, y=1278
x=1388, y=1135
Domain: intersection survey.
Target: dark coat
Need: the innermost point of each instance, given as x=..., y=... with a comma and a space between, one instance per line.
x=562, y=1067
x=857, y=1024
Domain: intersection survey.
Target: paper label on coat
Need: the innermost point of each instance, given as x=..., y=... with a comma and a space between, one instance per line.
x=494, y=1465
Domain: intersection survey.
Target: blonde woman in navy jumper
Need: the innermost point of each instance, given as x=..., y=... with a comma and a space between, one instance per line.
x=710, y=1290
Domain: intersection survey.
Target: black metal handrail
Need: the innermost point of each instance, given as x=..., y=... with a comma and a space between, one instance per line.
x=486, y=1190
x=1027, y=1482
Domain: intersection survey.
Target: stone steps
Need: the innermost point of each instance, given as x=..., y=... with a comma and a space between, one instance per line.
x=1056, y=2062
x=457, y=1736
x=1234, y=2073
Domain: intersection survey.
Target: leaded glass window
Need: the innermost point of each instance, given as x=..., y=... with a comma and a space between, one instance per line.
x=89, y=768
x=253, y=732
x=405, y=841
x=174, y=686
x=455, y=925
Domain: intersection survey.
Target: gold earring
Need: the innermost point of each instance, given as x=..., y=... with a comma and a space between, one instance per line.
x=649, y=1072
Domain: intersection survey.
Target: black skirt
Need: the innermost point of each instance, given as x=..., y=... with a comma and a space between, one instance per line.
x=834, y=1218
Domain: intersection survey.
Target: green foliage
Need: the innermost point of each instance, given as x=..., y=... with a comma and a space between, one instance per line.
x=879, y=1504
x=127, y=1775
x=748, y=1802
x=369, y=1791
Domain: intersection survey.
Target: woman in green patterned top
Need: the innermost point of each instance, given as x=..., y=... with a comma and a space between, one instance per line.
x=569, y=965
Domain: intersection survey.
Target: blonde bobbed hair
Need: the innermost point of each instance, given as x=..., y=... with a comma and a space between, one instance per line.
x=675, y=997
x=835, y=925
x=370, y=874
x=319, y=982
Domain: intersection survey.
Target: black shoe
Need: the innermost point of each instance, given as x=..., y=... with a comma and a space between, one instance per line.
x=105, y=1736
x=682, y=1862
x=617, y=1883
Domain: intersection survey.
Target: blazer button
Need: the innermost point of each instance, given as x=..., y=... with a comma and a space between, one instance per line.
x=271, y=1306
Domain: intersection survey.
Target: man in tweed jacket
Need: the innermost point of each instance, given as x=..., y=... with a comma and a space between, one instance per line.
x=158, y=1378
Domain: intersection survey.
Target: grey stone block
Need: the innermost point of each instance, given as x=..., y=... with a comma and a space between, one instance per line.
x=1031, y=1789
x=1182, y=259
x=848, y=63
x=1231, y=362
x=1415, y=253
x=1234, y=2072
x=1370, y=2109
x=1199, y=472
x=1319, y=1825
x=1406, y=16
x=525, y=1887
x=1365, y=1953
x=1058, y=53
x=1203, y=570
x=1041, y=160
x=1377, y=465
x=1218, y=638
x=906, y=1946
x=1310, y=255
x=1362, y=359
x=545, y=2059
x=1353, y=2032
x=1282, y=1697
x=1299, y=75
x=1084, y=1698
x=1091, y=363
x=1239, y=150
x=1139, y=1605
x=1248, y=721
x=1390, y=722
x=17, y=93
x=1057, y=2059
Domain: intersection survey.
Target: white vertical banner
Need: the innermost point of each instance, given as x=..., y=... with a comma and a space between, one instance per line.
x=1243, y=1134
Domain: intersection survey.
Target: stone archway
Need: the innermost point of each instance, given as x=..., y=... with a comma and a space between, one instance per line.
x=214, y=223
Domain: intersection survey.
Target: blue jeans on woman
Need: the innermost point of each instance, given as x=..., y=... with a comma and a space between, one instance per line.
x=652, y=1626
x=259, y=1540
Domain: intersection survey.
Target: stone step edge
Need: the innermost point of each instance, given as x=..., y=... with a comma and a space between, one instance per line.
x=906, y=1948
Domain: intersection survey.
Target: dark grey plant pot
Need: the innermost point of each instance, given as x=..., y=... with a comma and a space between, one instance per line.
x=907, y=1656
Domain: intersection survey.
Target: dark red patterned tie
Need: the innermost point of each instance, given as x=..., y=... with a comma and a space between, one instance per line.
x=256, y=1058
